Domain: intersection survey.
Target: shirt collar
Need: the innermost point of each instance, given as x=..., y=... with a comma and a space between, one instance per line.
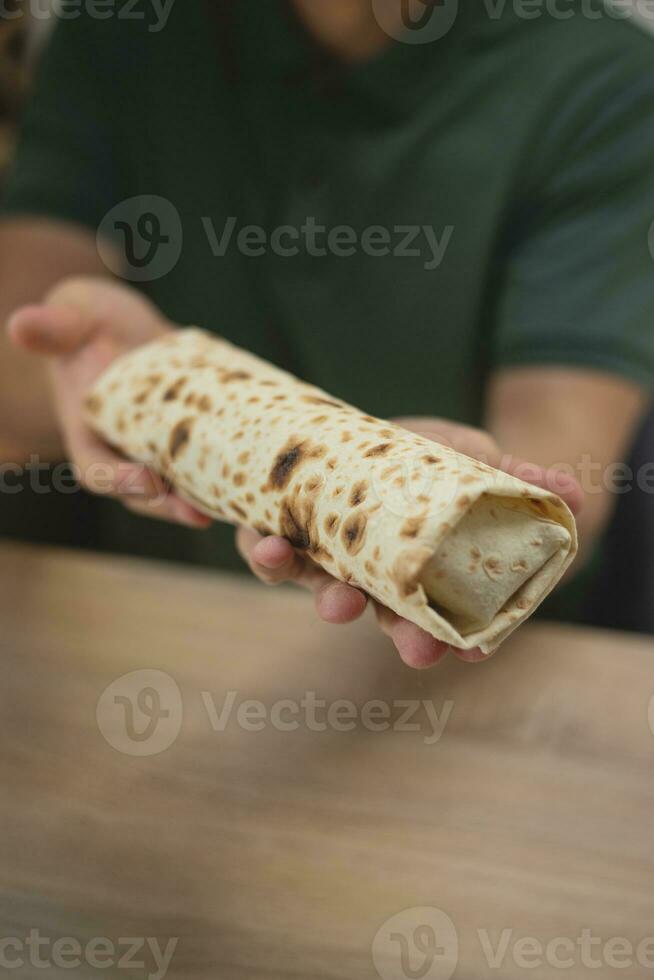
x=271, y=44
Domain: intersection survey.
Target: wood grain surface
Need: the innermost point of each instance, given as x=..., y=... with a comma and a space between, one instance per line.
x=519, y=803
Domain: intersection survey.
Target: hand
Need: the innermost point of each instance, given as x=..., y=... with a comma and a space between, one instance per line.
x=81, y=327
x=274, y=560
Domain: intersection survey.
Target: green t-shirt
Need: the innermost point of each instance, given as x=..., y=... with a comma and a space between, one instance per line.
x=441, y=211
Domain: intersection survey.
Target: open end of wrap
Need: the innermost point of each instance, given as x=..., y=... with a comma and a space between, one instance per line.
x=488, y=561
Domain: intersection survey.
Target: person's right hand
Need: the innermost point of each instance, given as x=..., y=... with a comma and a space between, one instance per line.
x=274, y=561
x=82, y=325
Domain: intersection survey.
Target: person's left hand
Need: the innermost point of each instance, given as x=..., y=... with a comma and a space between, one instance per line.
x=274, y=560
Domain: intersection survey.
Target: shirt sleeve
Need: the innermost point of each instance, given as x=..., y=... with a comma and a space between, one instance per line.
x=578, y=281
x=66, y=164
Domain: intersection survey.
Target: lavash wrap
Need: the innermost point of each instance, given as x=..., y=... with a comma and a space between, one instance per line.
x=464, y=551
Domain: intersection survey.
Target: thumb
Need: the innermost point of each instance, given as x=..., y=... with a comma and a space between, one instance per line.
x=50, y=330
x=555, y=479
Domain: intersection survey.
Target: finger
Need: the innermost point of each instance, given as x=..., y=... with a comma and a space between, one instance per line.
x=272, y=552
x=280, y=562
x=50, y=330
x=555, y=480
x=273, y=560
x=336, y=602
x=103, y=472
x=143, y=491
x=462, y=438
x=475, y=656
x=339, y=603
x=172, y=509
x=566, y=486
x=417, y=648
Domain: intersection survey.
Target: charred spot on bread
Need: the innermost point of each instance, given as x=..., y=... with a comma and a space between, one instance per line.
x=172, y=392
x=314, y=483
x=331, y=524
x=358, y=493
x=412, y=527
x=294, y=454
x=539, y=504
x=494, y=567
x=353, y=532
x=297, y=523
x=286, y=463
x=316, y=400
x=380, y=450
x=93, y=404
x=179, y=437
x=320, y=553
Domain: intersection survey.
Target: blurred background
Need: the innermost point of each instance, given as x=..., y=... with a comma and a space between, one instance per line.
x=622, y=595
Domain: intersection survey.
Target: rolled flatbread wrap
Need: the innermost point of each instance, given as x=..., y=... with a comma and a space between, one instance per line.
x=457, y=547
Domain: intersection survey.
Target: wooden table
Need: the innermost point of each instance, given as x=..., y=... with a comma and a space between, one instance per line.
x=282, y=853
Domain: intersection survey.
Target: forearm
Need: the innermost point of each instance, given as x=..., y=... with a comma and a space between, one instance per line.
x=34, y=255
